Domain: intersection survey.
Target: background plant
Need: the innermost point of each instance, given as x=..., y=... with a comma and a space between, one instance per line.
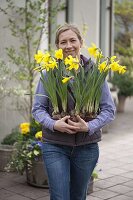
x=4, y=79
x=28, y=23
x=124, y=46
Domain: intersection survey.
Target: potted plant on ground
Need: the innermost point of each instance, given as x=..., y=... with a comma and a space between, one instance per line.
x=7, y=148
x=27, y=156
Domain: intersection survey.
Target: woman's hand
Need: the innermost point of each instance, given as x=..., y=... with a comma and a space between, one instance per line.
x=81, y=124
x=62, y=125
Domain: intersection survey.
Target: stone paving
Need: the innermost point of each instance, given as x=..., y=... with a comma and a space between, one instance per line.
x=115, y=167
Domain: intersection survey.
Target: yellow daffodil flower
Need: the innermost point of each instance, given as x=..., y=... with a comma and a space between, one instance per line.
x=39, y=56
x=122, y=69
x=46, y=57
x=38, y=135
x=68, y=60
x=59, y=54
x=102, y=67
x=25, y=128
x=93, y=50
x=52, y=64
x=66, y=79
x=72, y=62
x=115, y=66
x=112, y=59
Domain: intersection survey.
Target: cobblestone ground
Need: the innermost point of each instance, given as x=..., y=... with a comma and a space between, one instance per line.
x=115, y=167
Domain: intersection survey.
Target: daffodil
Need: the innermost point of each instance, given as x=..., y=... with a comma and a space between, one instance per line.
x=93, y=50
x=103, y=67
x=112, y=59
x=52, y=64
x=122, y=69
x=59, y=54
x=66, y=79
x=115, y=66
x=46, y=57
x=39, y=56
x=73, y=63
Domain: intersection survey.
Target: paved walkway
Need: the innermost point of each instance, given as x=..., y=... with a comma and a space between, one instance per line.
x=115, y=167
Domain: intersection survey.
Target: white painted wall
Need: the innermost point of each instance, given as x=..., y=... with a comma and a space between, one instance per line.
x=87, y=12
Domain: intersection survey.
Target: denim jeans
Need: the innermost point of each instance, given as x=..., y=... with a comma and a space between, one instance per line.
x=69, y=169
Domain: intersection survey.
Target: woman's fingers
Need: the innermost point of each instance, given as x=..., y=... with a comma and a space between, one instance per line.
x=62, y=126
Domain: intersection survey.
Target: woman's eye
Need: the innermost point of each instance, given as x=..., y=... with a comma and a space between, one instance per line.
x=73, y=40
x=63, y=42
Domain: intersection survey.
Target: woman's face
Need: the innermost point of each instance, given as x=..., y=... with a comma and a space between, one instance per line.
x=69, y=43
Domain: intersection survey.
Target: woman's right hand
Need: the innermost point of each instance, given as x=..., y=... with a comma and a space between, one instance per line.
x=62, y=126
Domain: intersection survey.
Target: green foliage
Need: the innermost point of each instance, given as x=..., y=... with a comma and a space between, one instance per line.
x=28, y=23
x=4, y=78
x=25, y=153
x=11, y=138
x=34, y=127
x=124, y=13
x=94, y=174
x=123, y=46
x=125, y=84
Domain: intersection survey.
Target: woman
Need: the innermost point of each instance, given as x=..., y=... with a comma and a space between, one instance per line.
x=70, y=149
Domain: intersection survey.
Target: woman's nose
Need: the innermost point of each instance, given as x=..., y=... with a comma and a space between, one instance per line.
x=68, y=44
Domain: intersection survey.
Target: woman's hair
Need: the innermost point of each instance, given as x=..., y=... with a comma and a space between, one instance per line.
x=67, y=27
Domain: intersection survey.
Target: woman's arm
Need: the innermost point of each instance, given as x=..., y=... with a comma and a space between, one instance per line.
x=41, y=107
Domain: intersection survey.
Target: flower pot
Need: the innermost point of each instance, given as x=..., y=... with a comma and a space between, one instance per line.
x=121, y=103
x=5, y=155
x=36, y=175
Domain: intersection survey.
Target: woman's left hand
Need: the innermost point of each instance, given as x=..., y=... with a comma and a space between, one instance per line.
x=81, y=124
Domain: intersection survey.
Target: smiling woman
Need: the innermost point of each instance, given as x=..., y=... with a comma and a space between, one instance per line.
x=77, y=86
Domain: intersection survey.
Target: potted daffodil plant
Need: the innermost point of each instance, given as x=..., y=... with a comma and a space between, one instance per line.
x=68, y=74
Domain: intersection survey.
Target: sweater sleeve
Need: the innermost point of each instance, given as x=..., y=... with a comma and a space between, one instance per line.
x=40, y=110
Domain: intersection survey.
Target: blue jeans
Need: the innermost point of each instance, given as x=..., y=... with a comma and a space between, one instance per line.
x=69, y=169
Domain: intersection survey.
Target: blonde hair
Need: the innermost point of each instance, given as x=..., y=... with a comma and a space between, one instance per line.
x=67, y=27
